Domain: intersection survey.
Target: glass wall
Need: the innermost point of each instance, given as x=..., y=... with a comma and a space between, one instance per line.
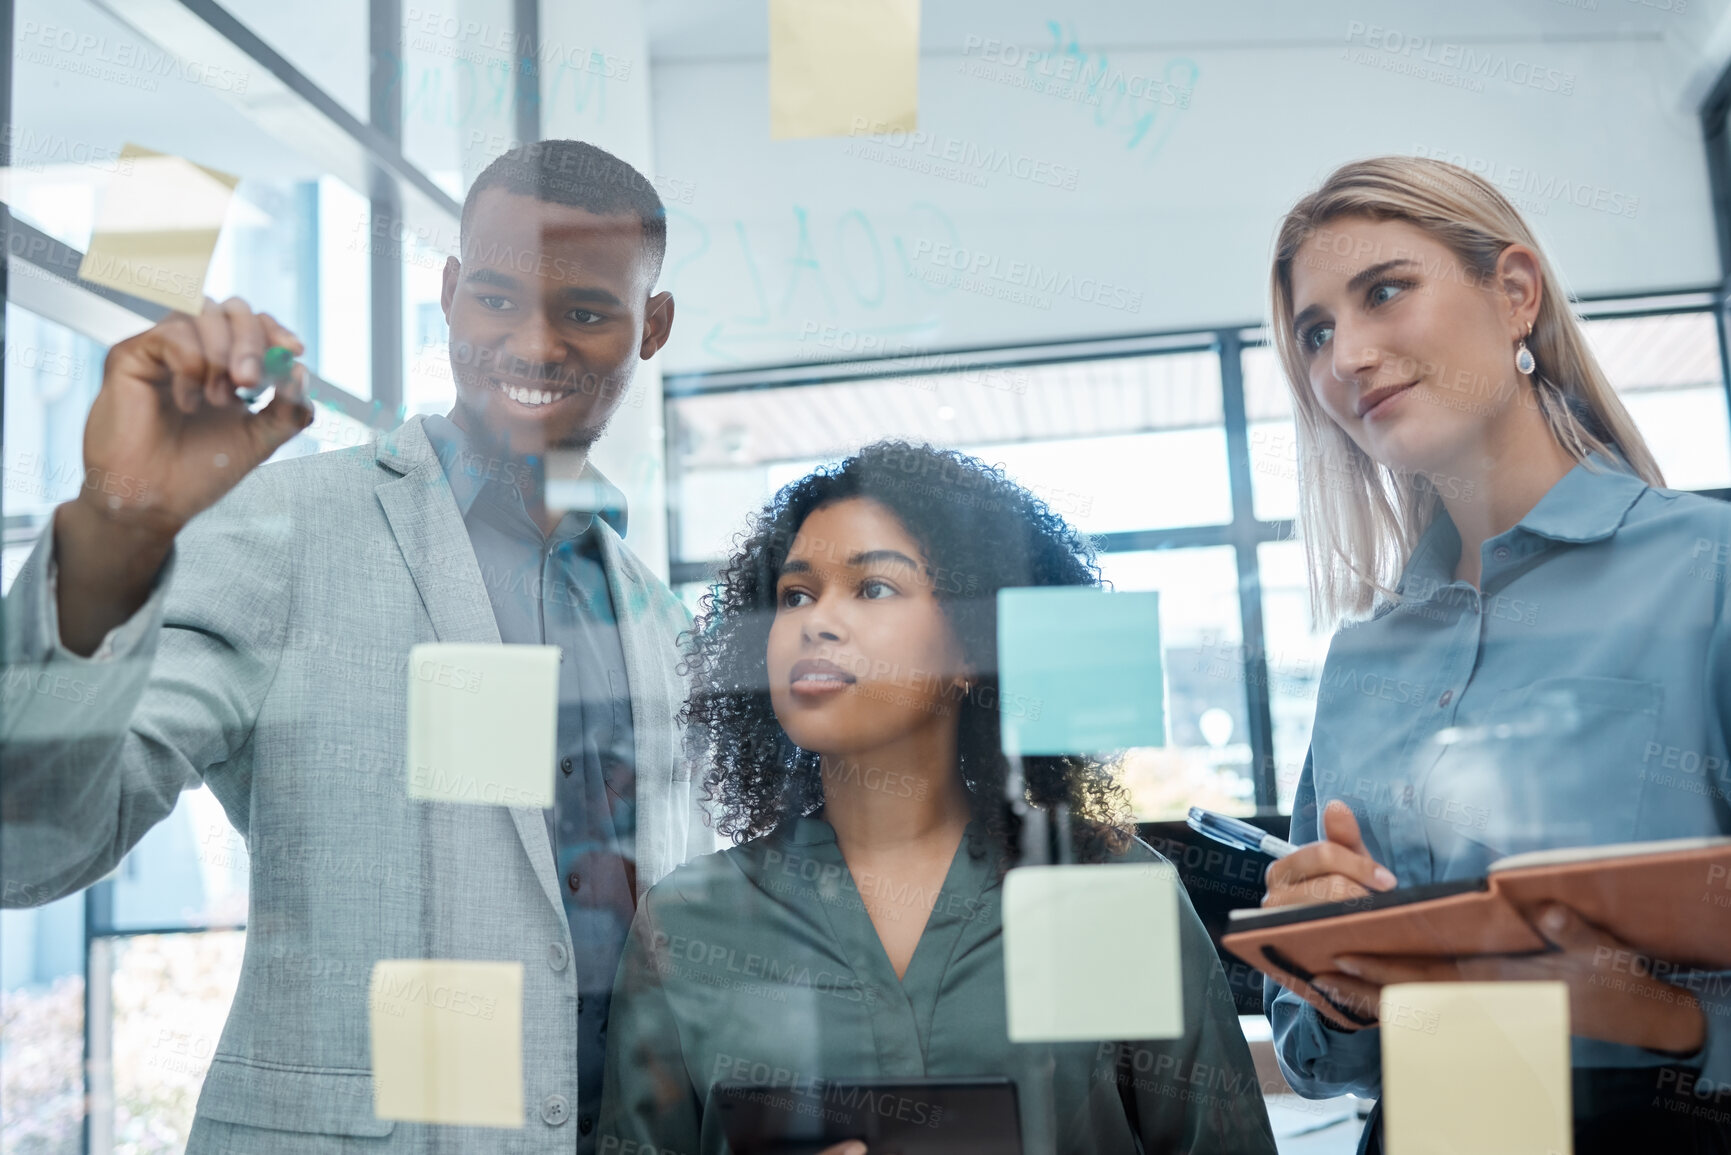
x=352, y=132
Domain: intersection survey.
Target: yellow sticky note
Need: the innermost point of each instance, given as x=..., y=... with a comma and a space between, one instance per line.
x=1480, y=1067
x=156, y=228
x=483, y=723
x=447, y=1041
x=1092, y=952
x=842, y=67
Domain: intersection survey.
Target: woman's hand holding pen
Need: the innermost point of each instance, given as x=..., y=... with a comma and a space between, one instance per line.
x=1332, y=870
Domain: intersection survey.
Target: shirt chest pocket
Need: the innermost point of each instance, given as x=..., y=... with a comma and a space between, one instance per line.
x=1555, y=764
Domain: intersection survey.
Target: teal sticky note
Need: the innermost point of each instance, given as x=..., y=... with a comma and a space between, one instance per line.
x=1079, y=670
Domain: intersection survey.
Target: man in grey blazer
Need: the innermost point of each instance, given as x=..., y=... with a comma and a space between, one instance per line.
x=250, y=629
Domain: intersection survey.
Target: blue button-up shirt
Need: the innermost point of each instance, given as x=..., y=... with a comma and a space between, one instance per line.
x=1580, y=696
x=551, y=589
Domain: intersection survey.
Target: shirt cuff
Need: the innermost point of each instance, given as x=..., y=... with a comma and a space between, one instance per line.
x=122, y=639
x=1321, y=1061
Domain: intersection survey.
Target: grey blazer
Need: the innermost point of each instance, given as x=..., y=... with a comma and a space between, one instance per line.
x=271, y=664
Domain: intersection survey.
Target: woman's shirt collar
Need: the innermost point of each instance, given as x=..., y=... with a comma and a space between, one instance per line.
x=1587, y=504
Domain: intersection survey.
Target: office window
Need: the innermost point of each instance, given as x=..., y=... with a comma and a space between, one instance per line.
x=1126, y=449
x=294, y=240
x=1095, y=439
x=427, y=383
x=1666, y=371
x=460, y=79
x=42, y=1059
x=189, y=872
x=170, y=995
x=1273, y=435
x=52, y=376
x=1206, y=761
x=325, y=39
x=1296, y=648
x=1140, y=491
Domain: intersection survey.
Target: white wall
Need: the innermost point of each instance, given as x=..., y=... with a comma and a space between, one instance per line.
x=797, y=251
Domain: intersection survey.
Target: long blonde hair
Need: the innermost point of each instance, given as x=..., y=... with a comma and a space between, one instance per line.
x=1361, y=520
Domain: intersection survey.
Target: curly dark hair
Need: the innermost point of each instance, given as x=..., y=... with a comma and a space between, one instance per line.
x=979, y=532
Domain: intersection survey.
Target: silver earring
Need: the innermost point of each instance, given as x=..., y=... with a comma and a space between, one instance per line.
x=1524, y=358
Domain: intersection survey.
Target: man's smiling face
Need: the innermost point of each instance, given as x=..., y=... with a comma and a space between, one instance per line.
x=549, y=311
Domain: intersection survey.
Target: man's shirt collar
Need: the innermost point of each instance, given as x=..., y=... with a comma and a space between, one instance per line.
x=469, y=472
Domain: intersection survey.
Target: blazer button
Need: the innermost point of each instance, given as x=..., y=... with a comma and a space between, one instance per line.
x=554, y=1110
x=1447, y=697
x=565, y=765
x=585, y=1125
x=557, y=956
x=574, y=881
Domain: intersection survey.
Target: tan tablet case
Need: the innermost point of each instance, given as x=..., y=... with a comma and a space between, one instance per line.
x=1668, y=904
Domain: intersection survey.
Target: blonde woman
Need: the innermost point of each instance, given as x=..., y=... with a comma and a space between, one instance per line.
x=1535, y=647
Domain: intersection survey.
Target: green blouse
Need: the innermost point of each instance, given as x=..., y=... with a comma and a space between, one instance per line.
x=760, y=964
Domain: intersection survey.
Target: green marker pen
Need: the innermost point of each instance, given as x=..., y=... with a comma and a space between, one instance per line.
x=278, y=369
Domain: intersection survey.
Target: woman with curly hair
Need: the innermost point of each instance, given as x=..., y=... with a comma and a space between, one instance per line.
x=844, y=708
